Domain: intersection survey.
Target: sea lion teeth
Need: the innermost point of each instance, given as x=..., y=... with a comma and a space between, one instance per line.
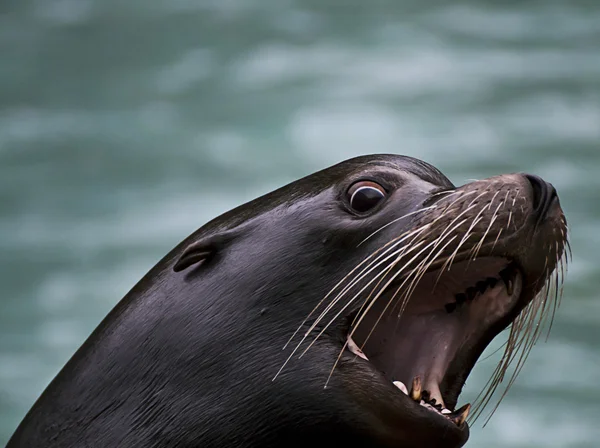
x=400, y=385
x=460, y=416
x=446, y=411
x=355, y=349
x=435, y=396
x=507, y=276
x=416, y=389
x=510, y=287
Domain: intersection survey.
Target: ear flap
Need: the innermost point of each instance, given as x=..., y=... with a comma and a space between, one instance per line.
x=202, y=250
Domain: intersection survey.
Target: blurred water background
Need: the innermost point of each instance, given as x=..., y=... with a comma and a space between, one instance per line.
x=126, y=125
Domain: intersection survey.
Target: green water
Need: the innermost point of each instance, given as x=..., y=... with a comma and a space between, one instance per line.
x=127, y=124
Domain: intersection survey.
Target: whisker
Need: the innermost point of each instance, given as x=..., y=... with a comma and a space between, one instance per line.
x=349, y=302
x=528, y=327
x=419, y=269
x=450, y=260
x=395, y=221
x=378, y=262
x=491, y=355
x=321, y=302
x=390, y=278
x=485, y=234
x=408, y=277
x=423, y=270
x=354, y=298
x=390, y=246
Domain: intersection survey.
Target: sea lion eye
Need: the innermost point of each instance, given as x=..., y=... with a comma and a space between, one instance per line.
x=365, y=195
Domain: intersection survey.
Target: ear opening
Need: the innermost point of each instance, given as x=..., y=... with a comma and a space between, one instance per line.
x=202, y=250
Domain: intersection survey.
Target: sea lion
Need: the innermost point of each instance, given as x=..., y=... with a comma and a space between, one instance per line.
x=348, y=307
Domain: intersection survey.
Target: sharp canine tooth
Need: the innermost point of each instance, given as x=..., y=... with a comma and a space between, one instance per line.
x=446, y=411
x=354, y=349
x=400, y=385
x=460, y=416
x=510, y=287
x=416, y=389
x=507, y=276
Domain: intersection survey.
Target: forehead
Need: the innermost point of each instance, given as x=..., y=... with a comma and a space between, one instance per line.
x=390, y=166
x=385, y=163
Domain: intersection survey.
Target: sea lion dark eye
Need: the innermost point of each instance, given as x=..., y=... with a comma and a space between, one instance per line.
x=363, y=196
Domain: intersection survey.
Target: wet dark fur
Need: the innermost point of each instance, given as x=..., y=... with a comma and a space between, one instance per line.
x=187, y=358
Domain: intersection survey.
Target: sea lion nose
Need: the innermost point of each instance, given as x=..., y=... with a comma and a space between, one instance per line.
x=544, y=196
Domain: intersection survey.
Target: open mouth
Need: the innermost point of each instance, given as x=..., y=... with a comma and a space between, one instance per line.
x=428, y=348
x=430, y=297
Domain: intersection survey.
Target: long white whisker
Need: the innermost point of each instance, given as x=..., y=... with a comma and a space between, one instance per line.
x=347, y=288
x=390, y=246
x=395, y=221
x=435, y=243
x=354, y=298
x=372, y=302
x=370, y=268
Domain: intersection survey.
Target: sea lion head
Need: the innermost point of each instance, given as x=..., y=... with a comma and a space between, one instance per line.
x=350, y=304
x=394, y=275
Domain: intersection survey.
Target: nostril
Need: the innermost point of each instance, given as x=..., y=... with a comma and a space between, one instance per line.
x=544, y=195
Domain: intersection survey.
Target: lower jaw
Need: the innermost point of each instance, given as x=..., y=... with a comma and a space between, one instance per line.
x=419, y=395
